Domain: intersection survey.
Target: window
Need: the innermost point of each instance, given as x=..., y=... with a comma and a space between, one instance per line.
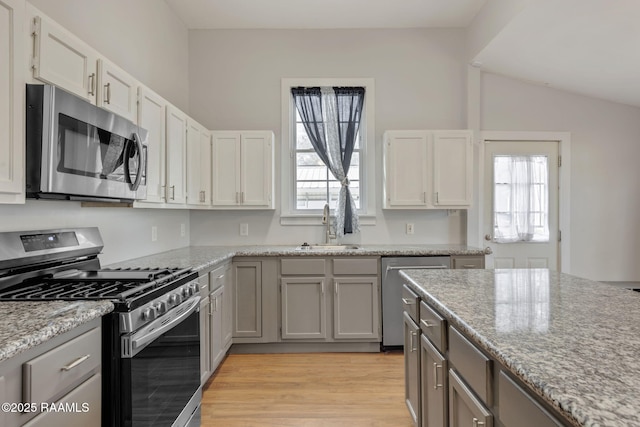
x=306, y=183
x=521, y=198
x=314, y=184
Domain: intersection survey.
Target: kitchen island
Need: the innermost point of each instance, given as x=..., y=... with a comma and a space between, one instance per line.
x=573, y=343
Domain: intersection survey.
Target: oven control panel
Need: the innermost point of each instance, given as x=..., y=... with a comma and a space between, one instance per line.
x=158, y=307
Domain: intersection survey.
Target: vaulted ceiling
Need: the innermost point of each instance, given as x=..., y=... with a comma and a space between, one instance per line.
x=591, y=47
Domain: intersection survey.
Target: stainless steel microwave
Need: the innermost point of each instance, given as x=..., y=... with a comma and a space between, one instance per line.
x=78, y=151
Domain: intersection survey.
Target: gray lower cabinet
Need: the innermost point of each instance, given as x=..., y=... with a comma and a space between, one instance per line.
x=518, y=409
x=304, y=308
x=412, y=367
x=247, y=299
x=205, y=341
x=433, y=386
x=451, y=382
x=467, y=262
x=216, y=309
x=325, y=299
x=465, y=409
x=66, y=370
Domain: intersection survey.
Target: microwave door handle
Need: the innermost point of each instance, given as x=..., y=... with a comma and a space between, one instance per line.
x=138, y=141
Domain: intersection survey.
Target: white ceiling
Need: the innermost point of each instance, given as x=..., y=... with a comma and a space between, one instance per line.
x=309, y=14
x=590, y=47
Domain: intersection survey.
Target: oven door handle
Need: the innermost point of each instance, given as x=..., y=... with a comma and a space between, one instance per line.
x=134, y=344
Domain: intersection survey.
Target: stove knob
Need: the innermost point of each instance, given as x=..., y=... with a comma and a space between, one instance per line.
x=161, y=307
x=148, y=314
x=175, y=299
x=185, y=292
x=195, y=289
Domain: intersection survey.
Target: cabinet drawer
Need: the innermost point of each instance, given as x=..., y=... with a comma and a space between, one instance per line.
x=203, y=284
x=86, y=401
x=62, y=368
x=472, y=365
x=217, y=276
x=355, y=266
x=410, y=302
x=518, y=409
x=301, y=267
x=464, y=408
x=433, y=326
x=467, y=262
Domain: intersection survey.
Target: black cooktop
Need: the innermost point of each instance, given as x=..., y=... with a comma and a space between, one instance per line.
x=127, y=286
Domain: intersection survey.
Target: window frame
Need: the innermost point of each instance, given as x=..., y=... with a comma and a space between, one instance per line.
x=290, y=214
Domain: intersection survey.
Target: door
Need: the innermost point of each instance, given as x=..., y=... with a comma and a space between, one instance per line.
x=225, y=181
x=406, y=160
x=256, y=166
x=412, y=367
x=356, y=308
x=118, y=91
x=521, y=205
x=433, y=385
x=151, y=116
x=304, y=308
x=176, y=155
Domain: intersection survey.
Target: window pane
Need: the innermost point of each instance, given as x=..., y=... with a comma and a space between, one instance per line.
x=309, y=167
x=302, y=139
x=354, y=169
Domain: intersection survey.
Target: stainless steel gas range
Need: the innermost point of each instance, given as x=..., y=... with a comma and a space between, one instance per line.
x=150, y=343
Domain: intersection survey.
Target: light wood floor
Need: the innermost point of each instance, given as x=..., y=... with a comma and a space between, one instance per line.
x=307, y=390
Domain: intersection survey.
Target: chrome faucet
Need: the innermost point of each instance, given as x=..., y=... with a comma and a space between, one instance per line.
x=326, y=219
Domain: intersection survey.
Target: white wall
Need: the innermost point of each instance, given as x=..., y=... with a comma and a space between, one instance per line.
x=145, y=38
x=605, y=152
x=235, y=78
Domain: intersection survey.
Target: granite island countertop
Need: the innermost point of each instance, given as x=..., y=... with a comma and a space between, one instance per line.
x=24, y=325
x=573, y=341
x=203, y=257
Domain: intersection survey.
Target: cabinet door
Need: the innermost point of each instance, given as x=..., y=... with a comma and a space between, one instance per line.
x=412, y=367
x=247, y=299
x=227, y=309
x=465, y=409
x=304, y=308
x=60, y=58
x=452, y=168
x=12, y=100
x=225, y=181
x=198, y=164
x=118, y=91
x=406, y=164
x=256, y=182
x=217, y=351
x=356, y=308
x=152, y=117
x=176, y=155
x=433, y=385
x=205, y=340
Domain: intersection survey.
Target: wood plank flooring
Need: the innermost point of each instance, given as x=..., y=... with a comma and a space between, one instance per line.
x=307, y=390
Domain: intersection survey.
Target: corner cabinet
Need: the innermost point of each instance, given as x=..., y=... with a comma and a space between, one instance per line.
x=242, y=169
x=12, y=101
x=426, y=169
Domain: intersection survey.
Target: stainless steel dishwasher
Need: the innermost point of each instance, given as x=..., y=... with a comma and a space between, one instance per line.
x=392, y=334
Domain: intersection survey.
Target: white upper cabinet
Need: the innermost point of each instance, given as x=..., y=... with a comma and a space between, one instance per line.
x=12, y=101
x=62, y=59
x=198, y=164
x=176, y=156
x=242, y=169
x=117, y=91
x=406, y=160
x=152, y=117
x=452, y=168
x=426, y=169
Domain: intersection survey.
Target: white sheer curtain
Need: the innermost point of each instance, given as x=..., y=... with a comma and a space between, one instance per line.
x=521, y=199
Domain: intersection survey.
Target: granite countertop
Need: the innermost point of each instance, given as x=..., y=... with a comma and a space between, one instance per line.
x=203, y=257
x=573, y=341
x=24, y=325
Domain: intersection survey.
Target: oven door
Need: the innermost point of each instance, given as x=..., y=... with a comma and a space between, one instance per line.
x=160, y=375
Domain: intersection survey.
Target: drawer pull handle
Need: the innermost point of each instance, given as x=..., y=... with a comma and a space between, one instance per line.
x=435, y=376
x=477, y=423
x=426, y=324
x=413, y=335
x=75, y=363
x=408, y=301
x=469, y=266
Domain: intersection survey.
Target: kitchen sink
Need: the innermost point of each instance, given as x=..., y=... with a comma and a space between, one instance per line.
x=321, y=248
